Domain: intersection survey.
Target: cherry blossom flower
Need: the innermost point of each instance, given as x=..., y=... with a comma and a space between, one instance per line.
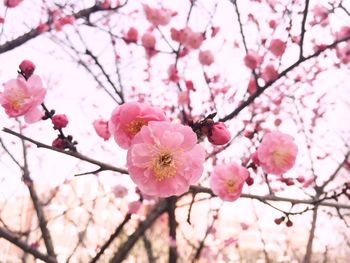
x=227, y=181
x=206, y=58
x=269, y=73
x=277, y=153
x=22, y=98
x=158, y=16
x=277, y=47
x=128, y=119
x=194, y=40
x=148, y=40
x=164, y=159
x=219, y=134
x=101, y=128
x=252, y=60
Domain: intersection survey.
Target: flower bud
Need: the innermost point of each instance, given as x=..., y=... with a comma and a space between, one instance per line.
x=58, y=143
x=59, y=121
x=27, y=68
x=220, y=135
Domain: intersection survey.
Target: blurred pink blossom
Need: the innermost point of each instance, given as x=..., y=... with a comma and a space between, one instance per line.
x=101, y=128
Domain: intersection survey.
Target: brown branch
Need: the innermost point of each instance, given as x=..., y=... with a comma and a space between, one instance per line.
x=302, y=34
x=308, y=253
x=85, y=13
x=201, y=189
x=124, y=249
x=172, y=229
x=261, y=90
x=37, y=204
x=103, y=166
x=116, y=233
x=24, y=246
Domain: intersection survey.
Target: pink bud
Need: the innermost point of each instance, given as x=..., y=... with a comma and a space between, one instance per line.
x=12, y=3
x=219, y=134
x=131, y=35
x=27, y=68
x=59, y=121
x=301, y=179
x=252, y=60
x=58, y=143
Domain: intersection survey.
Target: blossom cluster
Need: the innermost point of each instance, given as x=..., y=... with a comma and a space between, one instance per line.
x=164, y=158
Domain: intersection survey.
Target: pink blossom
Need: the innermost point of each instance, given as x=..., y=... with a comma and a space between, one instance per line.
x=194, y=40
x=277, y=153
x=128, y=119
x=173, y=74
x=2, y=20
x=59, y=121
x=227, y=181
x=206, y=58
x=164, y=159
x=219, y=134
x=119, y=191
x=343, y=53
x=42, y=27
x=244, y=226
x=252, y=86
x=27, y=68
x=12, y=3
x=101, y=128
x=22, y=98
x=252, y=60
x=131, y=35
x=158, y=16
x=134, y=207
x=148, y=40
x=277, y=47
x=343, y=32
x=269, y=73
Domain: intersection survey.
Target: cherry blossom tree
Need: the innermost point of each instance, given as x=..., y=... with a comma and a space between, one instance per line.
x=179, y=131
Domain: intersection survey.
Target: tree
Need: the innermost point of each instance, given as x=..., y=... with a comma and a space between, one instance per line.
x=201, y=99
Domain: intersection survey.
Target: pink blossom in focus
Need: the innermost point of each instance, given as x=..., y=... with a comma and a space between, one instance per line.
x=219, y=135
x=12, y=3
x=227, y=181
x=101, y=128
x=164, y=159
x=128, y=119
x=269, y=73
x=206, y=58
x=148, y=40
x=252, y=60
x=22, y=98
x=119, y=191
x=277, y=47
x=27, y=68
x=277, y=153
x=158, y=16
x=59, y=121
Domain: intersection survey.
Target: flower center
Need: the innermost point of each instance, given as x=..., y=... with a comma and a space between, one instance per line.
x=17, y=99
x=231, y=186
x=280, y=157
x=133, y=127
x=163, y=166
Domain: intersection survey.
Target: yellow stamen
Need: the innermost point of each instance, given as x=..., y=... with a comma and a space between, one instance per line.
x=164, y=166
x=231, y=186
x=134, y=127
